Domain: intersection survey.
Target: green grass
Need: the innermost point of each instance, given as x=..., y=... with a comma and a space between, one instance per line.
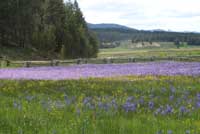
x=147, y=53
x=127, y=44
x=39, y=107
x=166, y=49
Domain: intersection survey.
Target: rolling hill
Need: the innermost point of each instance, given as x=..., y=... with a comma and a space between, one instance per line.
x=114, y=32
x=108, y=26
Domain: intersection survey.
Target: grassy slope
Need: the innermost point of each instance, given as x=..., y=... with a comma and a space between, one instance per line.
x=32, y=107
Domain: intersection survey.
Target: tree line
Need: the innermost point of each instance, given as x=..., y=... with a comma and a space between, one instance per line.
x=113, y=35
x=49, y=27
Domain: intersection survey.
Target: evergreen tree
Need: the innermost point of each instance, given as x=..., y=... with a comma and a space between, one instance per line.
x=46, y=26
x=56, y=16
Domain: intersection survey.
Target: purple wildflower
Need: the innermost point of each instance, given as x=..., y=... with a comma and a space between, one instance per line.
x=114, y=104
x=198, y=104
x=129, y=99
x=171, y=98
x=187, y=132
x=158, y=111
x=130, y=107
x=87, y=100
x=168, y=110
x=172, y=89
x=198, y=96
x=169, y=132
x=169, y=68
x=105, y=106
x=141, y=101
x=182, y=110
x=151, y=105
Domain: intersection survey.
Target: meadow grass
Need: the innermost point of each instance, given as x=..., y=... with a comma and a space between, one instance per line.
x=73, y=106
x=147, y=53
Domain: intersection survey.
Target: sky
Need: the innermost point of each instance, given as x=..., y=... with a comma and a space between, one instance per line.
x=175, y=15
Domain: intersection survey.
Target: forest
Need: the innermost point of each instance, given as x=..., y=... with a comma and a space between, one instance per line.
x=118, y=34
x=48, y=27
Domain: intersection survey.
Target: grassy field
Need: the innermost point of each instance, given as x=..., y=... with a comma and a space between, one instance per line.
x=125, y=105
x=146, y=45
x=164, y=49
x=145, y=53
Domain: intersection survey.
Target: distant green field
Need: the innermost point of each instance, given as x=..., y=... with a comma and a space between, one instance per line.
x=146, y=45
x=118, y=52
x=165, y=50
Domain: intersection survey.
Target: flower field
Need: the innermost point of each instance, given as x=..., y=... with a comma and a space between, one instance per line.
x=167, y=68
x=125, y=105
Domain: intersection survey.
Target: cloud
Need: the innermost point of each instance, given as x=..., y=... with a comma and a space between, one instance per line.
x=180, y=15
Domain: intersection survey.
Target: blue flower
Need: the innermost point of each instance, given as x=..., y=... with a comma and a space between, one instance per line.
x=151, y=105
x=198, y=96
x=183, y=110
x=168, y=110
x=171, y=98
x=129, y=99
x=169, y=132
x=198, y=104
x=130, y=107
x=187, y=132
x=105, y=106
x=158, y=111
x=141, y=101
x=173, y=89
x=87, y=100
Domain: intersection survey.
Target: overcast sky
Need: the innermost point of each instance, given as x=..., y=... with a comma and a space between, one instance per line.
x=177, y=15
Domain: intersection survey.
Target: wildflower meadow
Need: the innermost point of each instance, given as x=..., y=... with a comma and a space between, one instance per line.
x=119, y=105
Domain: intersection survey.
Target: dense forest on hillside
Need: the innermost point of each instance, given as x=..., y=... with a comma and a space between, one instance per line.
x=48, y=27
x=117, y=34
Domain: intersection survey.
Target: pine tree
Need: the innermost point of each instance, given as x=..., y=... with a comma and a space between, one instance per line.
x=45, y=26
x=56, y=16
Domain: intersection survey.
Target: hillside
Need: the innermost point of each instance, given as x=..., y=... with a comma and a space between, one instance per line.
x=115, y=32
x=108, y=26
